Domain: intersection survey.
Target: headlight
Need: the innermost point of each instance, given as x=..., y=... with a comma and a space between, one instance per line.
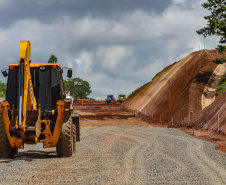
x=42, y=68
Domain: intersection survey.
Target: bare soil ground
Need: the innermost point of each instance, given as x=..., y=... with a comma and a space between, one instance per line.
x=95, y=115
x=99, y=115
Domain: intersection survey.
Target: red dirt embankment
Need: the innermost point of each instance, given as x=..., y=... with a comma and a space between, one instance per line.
x=175, y=90
x=207, y=123
x=208, y=118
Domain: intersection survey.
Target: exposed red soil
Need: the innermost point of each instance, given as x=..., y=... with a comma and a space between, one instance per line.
x=176, y=95
x=106, y=115
x=212, y=115
x=180, y=93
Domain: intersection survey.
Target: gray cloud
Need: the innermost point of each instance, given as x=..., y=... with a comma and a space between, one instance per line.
x=48, y=11
x=116, y=46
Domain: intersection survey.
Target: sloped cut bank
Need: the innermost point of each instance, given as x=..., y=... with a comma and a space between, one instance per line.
x=209, y=118
x=176, y=90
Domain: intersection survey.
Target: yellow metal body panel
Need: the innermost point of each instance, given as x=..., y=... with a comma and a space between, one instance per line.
x=47, y=132
x=61, y=105
x=38, y=64
x=14, y=141
x=28, y=101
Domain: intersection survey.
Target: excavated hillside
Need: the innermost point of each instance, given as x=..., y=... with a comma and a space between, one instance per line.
x=176, y=90
x=212, y=115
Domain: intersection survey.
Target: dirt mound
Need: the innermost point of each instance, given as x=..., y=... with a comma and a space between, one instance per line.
x=208, y=118
x=176, y=90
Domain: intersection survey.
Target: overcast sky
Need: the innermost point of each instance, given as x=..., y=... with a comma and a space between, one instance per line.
x=115, y=45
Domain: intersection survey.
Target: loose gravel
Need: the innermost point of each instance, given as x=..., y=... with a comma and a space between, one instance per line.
x=121, y=155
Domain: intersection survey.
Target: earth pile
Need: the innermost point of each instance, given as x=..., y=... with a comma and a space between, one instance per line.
x=213, y=114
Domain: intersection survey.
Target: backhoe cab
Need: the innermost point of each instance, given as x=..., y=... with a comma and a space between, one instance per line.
x=35, y=109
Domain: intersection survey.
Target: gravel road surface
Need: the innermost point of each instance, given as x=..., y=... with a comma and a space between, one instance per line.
x=121, y=155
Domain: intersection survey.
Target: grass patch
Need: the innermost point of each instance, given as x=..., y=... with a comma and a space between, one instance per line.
x=138, y=89
x=222, y=86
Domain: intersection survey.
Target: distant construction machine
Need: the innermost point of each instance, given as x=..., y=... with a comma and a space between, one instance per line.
x=110, y=98
x=36, y=108
x=121, y=98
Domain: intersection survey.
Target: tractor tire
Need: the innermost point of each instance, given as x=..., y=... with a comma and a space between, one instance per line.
x=64, y=146
x=6, y=151
x=74, y=138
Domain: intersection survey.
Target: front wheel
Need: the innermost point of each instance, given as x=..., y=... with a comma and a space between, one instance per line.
x=6, y=151
x=65, y=144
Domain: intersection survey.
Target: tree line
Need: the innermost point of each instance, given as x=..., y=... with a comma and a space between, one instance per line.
x=216, y=25
x=78, y=88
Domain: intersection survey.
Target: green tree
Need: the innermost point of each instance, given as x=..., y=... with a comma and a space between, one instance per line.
x=78, y=88
x=2, y=89
x=216, y=23
x=52, y=59
x=222, y=86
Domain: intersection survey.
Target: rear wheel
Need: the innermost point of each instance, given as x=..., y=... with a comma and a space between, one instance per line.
x=64, y=146
x=6, y=151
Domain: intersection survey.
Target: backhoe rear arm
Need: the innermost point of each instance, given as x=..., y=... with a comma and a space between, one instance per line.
x=27, y=98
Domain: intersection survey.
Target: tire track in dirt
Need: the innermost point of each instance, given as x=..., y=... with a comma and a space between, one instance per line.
x=215, y=171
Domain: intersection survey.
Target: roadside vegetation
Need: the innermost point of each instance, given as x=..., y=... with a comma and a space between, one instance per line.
x=2, y=89
x=155, y=75
x=139, y=88
x=216, y=26
x=143, y=86
x=78, y=88
x=52, y=59
x=222, y=86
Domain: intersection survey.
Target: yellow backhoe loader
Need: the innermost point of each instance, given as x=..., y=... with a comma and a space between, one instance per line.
x=35, y=109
